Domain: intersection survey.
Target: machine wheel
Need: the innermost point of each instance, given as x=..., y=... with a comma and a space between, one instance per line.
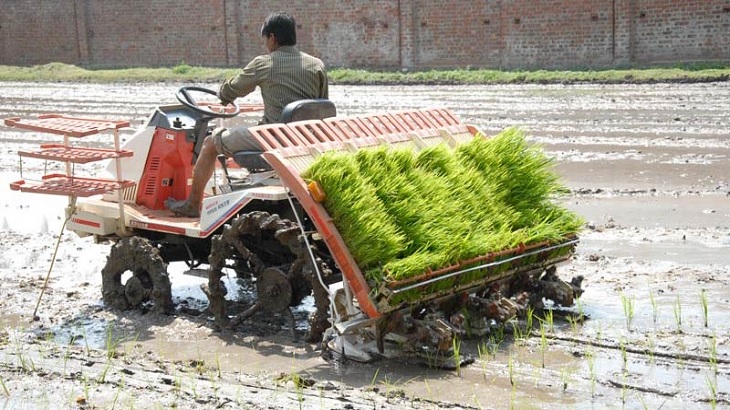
x=243, y=239
x=149, y=281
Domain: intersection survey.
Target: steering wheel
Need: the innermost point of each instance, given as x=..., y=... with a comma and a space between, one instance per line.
x=183, y=95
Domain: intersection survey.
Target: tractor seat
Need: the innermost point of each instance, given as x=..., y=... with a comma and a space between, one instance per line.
x=300, y=110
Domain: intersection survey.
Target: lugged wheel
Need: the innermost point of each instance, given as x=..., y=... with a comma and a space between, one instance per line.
x=265, y=241
x=149, y=280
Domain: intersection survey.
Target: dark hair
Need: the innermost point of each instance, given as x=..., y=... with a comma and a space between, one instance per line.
x=282, y=26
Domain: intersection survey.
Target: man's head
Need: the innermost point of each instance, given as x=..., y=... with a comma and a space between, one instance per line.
x=283, y=28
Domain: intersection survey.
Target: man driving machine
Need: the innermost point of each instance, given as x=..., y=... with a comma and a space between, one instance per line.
x=284, y=75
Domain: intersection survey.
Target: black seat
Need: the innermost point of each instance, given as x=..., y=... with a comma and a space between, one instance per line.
x=300, y=110
x=315, y=109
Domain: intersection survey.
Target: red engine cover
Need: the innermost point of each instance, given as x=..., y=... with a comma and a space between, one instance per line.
x=167, y=170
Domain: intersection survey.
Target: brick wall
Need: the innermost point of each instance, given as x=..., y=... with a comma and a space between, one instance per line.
x=369, y=34
x=37, y=32
x=667, y=30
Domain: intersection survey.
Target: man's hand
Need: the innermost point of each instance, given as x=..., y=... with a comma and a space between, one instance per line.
x=224, y=101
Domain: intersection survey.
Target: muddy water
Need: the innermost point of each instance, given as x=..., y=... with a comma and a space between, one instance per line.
x=648, y=167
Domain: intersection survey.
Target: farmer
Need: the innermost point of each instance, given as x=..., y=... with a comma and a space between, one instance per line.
x=284, y=75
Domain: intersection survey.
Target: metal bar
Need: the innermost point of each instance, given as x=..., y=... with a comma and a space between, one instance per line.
x=122, y=224
x=485, y=265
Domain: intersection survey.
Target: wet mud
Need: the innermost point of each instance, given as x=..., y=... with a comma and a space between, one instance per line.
x=647, y=166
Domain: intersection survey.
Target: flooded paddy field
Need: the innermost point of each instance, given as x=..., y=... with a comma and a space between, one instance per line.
x=648, y=166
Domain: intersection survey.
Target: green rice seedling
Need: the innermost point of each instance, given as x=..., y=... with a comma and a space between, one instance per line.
x=5, y=388
x=375, y=377
x=400, y=194
x=390, y=386
x=678, y=314
x=44, y=348
x=402, y=213
x=624, y=355
x=414, y=264
x=681, y=354
x=581, y=310
x=520, y=172
x=549, y=320
x=498, y=337
x=119, y=390
x=67, y=355
x=428, y=389
x=573, y=320
x=511, y=367
x=628, y=305
x=104, y=371
x=517, y=334
x=543, y=342
x=129, y=346
x=590, y=356
x=712, y=385
x=71, y=395
x=512, y=382
x=713, y=353
x=431, y=360
x=565, y=377
x=177, y=385
x=85, y=381
x=26, y=363
x=86, y=340
x=484, y=353
x=456, y=347
x=238, y=397
x=494, y=346
x=703, y=302
x=300, y=396
x=110, y=343
x=475, y=397
x=365, y=225
x=651, y=350
x=528, y=318
x=654, y=309
x=131, y=401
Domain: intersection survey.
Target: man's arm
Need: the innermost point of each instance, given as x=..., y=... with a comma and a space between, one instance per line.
x=241, y=84
x=323, y=87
